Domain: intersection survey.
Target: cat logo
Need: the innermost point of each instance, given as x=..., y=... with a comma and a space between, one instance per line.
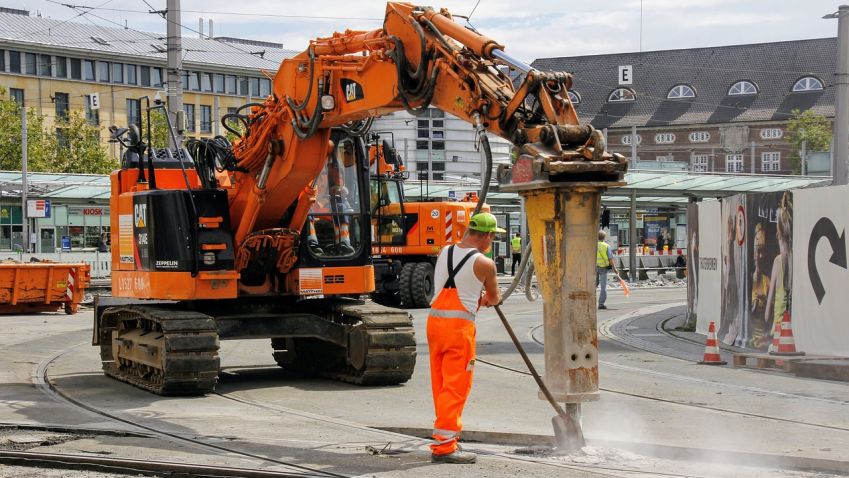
x=140, y=215
x=353, y=90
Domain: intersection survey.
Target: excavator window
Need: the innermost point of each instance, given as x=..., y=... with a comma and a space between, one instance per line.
x=335, y=219
x=387, y=212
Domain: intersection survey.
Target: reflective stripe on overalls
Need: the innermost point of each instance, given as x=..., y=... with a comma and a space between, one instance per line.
x=451, y=341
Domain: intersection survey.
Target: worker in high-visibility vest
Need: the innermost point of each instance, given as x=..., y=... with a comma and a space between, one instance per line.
x=604, y=262
x=462, y=272
x=516, y=249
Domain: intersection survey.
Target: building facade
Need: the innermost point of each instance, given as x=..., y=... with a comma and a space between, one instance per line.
x=56, y=67
x=437, y=146
x=720, y=109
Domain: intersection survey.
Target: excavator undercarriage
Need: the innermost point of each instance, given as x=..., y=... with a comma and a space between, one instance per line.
x=168, y=349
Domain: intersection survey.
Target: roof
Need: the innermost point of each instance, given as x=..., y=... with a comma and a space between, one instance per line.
x=773, y=67
x=660, y=187
x=56, y=186
x=95, y=40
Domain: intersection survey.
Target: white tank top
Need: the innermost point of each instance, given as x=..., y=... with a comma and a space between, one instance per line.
x=469, y=287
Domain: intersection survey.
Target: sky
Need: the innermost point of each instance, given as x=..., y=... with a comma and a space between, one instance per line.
x=528, y=29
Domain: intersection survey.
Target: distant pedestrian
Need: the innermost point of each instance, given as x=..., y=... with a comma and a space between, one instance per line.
x=516, y=247
x=604, y=263
x=103, y=243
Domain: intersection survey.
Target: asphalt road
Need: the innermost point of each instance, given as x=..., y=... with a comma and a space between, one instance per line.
x=659, y=412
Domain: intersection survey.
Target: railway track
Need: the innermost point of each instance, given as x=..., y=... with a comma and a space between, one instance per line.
x=43, y=383
x=400, y=444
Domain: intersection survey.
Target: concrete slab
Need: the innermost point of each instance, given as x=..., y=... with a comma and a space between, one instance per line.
x=830, y=369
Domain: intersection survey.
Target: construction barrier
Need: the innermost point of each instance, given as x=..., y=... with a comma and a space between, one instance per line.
x=772, y=268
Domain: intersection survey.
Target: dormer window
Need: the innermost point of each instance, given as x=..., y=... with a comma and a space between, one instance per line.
x=681, y=91
x=808, y=83
x=621, y=94
x=743, y=88
x=575, y=98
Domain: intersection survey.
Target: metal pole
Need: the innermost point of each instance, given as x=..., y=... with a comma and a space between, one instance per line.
x=634, y=162
x=841, y=123
x=803, y=157
x=753, y=157
x=24, y=218
x=175, y=53
x=632, y=242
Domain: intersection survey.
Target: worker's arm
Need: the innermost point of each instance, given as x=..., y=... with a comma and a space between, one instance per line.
x=485, y=272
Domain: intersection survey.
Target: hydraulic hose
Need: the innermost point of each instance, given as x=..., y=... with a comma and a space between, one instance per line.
x=486, y=152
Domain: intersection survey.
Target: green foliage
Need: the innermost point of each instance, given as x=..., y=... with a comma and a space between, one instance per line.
x=74, y=146
x=41, y=147
x=79, y=148
x=814, y=130
x=158, y=128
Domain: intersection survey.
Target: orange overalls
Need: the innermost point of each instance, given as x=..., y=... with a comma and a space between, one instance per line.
x=451, y=340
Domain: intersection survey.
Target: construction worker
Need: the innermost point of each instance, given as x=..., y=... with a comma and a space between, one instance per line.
x=462, y=273
x=604, y=263
x=516, y=247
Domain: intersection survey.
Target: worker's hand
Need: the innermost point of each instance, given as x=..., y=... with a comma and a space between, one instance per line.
x=486, y=301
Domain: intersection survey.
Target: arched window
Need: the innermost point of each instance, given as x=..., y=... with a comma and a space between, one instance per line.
x=743, y=88
x=808, y=83
x=575, y=98
x=681, y=91
x=621, y=94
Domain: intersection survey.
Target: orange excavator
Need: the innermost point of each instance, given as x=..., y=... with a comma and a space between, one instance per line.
x=271, y=238
x=407, y=236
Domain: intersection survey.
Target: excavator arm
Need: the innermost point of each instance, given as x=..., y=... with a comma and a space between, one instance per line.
x=420, y=58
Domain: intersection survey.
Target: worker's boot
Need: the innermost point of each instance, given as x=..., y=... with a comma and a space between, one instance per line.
x=345, y=249
x=458, y=456
x=315, y=248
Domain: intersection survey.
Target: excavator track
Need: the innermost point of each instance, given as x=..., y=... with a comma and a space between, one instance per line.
x=381, y=347
x=164, y=351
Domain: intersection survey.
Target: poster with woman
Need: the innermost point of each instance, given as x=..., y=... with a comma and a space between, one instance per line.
x=733, y=328
x=692, y=262
x=781, y=275
x=764, y=251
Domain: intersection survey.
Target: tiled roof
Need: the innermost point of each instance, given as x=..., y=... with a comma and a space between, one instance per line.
x=773, y=67
x=96, y=40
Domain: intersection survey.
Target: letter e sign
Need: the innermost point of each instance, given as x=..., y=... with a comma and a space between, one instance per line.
x=626, y=75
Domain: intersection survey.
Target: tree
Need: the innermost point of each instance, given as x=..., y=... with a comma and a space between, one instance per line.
x=79, y=149
x=808, y=128
x=41, y=147
x=158, y=129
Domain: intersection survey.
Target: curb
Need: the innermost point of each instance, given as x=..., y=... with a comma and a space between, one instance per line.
x=668, y=452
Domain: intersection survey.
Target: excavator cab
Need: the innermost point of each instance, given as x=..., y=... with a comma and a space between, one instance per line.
x=387, y=196
x=334, y=228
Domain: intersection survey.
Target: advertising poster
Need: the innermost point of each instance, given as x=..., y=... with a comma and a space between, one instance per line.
x=709, y=293
x=732, y=327
x=692, y=262
x=768, y=230
x=820, y=272
x=656, y=231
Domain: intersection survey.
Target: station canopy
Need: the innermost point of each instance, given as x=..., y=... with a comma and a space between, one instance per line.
x=653, y=188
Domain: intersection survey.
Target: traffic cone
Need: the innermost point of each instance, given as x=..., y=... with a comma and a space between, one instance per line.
x=712, y=356
x=786, y=345
x=776, y=331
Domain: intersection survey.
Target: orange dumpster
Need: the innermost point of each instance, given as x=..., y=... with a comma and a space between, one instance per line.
x=42, y=286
